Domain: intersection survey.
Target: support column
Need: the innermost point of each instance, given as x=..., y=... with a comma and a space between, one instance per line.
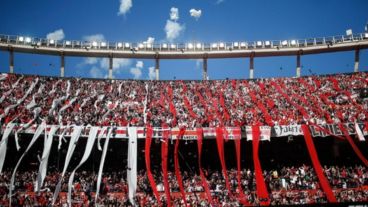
x=298, y=65
x=157, y=68
x=62, y=65
x=111, y=64
x=11, y=60
x=356, y=65
x=251, y=66
x=204, y=69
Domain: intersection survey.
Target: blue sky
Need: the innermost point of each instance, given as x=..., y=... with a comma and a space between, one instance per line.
x=226, y=20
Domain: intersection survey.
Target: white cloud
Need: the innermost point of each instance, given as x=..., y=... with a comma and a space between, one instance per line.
x=195, y=13
x=137, y=70
x=199, y=63
x=90, y=61
x=125, y=6
x=150, y=40
x=173, y=30
x=96, y=72
x=151, y=73
x=219, y=1
x=56, y=35
x=174, y=14
x=95, y=37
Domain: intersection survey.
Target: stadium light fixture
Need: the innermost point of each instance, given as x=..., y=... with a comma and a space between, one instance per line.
x=51, y=42
x=222, y=45
x=68, y=43
x=214, y=45
x=164, y=46
x=349, y=32
x=120, y=45
x=293, y=42
x=149, y=45
x=141, y=46
x=127, y=45
x=243, y=44
x=366, y=35
x=284, y=43
x=259, y=43
x=94, y=44
x=20, y=39
x=236, y=44
x=103, y=44
x=199, y=45
x=28, y=39
x=173, y=46
x=267, y=43
x=190, y=46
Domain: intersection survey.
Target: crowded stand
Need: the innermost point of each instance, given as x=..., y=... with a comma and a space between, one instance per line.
x=102, y=106
x=274, y=101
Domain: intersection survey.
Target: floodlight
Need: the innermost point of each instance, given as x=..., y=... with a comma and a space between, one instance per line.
x=120, y=45
x=236, y=44
x=267, y=43
x=284, y=43
x=52, y=42
x=259, y=43
x=94, y=44
x=349, y=32
x=164, y=45
x=149, y=45
x=293, y=42
x=103, y=44
x=68, y=42
x=190, y=46
x=141, y=46
x=28, y=39
x=173, y=46
x=127, y=45
x=20, y=39
x=214, y=45
x=243, y=44
x=366, y=35
x=222, y=45
x=199, y=45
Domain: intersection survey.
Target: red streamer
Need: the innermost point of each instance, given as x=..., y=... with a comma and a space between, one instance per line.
x=220, y=149
x=164, y=154
x=262, y=192
x=242, y=198
x=177, y=166
x=317, y=165
x=148, y=163
x=203, y=178
x=353, y=145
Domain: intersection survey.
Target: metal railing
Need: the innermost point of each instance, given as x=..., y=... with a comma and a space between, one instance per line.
x=177, y=47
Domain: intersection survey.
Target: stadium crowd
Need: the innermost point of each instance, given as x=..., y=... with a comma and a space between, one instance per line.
x=274, y=101
x=288, y=185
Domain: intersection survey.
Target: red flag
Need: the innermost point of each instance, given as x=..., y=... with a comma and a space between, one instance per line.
x=164, y=154
x=177, y=167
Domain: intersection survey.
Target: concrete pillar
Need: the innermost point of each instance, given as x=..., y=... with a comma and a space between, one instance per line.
x=11, y=61
x=157, y=68
x=204, y=69
x=111, y=64
x=251, y=67
x=62, y=65
x=356, y=64
x=298, y=66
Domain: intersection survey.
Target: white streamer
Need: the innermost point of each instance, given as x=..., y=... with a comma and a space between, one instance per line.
x=72, y=144
x=102, y=163
x=42, y=171
x=132, y=164
x=35, y=136
x=4, y=144
x=90, y=142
